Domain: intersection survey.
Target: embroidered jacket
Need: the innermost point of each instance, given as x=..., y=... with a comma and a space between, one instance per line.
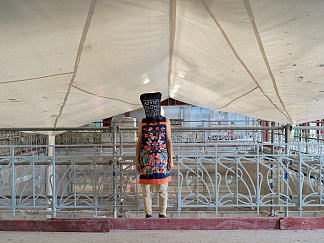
x=153, y=156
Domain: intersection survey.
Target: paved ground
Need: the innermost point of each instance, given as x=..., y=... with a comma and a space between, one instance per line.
x=224, y=236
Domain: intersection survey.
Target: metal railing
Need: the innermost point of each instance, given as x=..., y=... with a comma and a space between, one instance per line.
x=257, y=180
x=99, y=174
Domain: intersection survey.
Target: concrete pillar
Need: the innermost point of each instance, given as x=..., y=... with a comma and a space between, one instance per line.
x=49, y=172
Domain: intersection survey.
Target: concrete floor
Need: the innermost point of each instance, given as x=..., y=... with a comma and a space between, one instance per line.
x=224, y=236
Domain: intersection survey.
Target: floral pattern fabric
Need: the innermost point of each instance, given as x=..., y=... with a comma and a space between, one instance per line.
x=153, y=152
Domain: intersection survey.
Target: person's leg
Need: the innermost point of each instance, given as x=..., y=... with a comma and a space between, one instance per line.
x=147, y=199
x=163, y=198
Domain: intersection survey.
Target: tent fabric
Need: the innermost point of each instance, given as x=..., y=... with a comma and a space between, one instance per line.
x=68, y=63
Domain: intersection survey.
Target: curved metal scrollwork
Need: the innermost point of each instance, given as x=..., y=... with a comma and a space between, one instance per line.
x=214, y=178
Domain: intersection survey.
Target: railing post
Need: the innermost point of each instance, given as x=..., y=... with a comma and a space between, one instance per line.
x=300, y=183
x=95, y=189
x=114, y=172
x=179, y=189
x=258, y=183
x=216, y=181
x=121, y=174
x=197, y=181
x=33, y=178
x=286, y=187
x=272, y=174
x=285, y=180
x=13, y=179
x=53, y=183
x=136, y=195
x=237, y=178
x=321, y=163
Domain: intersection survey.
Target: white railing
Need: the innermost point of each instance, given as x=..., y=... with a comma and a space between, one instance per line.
x=215, y=175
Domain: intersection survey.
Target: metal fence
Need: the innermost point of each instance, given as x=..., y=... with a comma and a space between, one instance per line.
x=95, y=169
x=257, y=180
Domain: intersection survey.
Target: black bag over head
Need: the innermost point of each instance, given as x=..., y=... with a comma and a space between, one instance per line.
x=152, y=105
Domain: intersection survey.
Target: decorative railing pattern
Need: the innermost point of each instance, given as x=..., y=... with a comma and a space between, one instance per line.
x=256, y=181
x=96, y=171
x=98, y=178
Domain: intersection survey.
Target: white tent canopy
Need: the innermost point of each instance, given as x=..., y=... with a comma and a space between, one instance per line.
x=67, y=63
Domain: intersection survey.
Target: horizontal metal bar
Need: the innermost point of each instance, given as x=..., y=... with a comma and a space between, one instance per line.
x=51, y=129
x=225, y=128
x=253, y=128
x=308, y=127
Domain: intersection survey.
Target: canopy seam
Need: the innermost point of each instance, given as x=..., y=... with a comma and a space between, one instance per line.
x=239, y=59
x=250, y=91
x=172, y=37
x=103, y=97
x=31, y=79
x=78, y=57
x=264, y=55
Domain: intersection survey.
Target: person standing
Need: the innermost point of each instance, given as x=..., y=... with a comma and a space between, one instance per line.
x=154, y=159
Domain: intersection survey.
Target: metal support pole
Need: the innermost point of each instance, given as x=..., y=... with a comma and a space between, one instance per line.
x=278, y=183
x=237, y=179
x=285, y=172
x=286, y=188
x=320, y=181
x=121, y=175
x=114, y=172
x=179, y=189
x=95, y=188
x=258, y=183
x=300, y=183
x=197, y=181
x=53, y=182
x=137, y=197
x=74, y=183
x=95, y=178
x=272, y=174
x=33, y=178
x=306, y=138
x=216, y=180
x=13, y=179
